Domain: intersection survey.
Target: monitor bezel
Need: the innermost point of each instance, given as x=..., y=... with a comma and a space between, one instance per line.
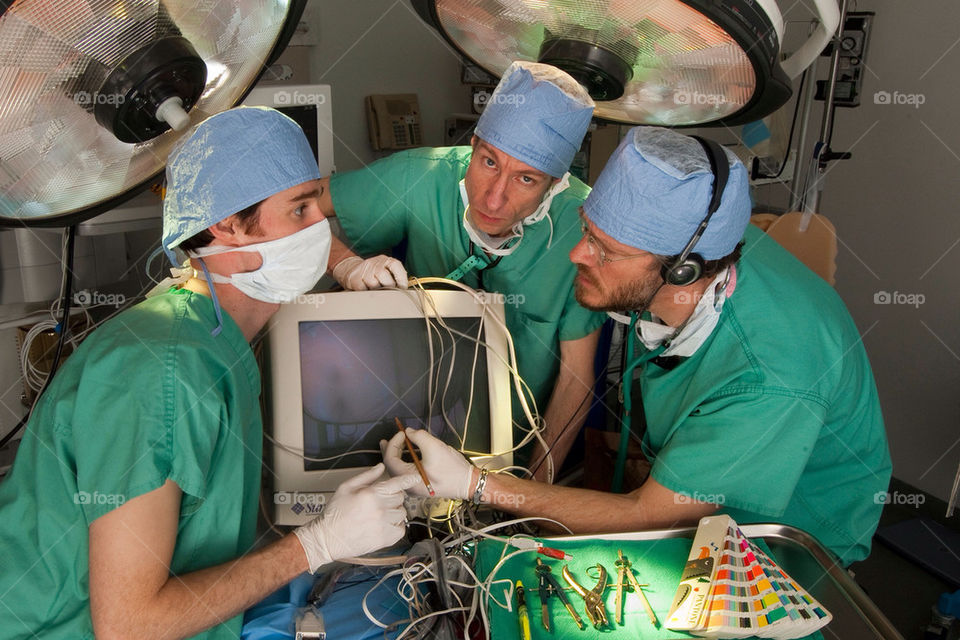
x=291, y=483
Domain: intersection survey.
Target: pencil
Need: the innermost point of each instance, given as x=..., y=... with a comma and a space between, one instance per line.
x=416, y=458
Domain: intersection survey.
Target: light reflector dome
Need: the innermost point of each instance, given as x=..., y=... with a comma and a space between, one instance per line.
x=662, y=62
x=81, y=82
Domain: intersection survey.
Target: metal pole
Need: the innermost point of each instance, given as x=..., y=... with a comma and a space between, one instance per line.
x=812, y=197
x=802, y=168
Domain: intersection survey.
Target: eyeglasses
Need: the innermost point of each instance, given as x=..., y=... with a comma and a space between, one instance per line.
x=597, y=251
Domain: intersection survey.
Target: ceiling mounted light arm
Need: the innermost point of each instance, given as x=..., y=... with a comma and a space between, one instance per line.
x=78, y=78
x=829, y=14
x=661, y=62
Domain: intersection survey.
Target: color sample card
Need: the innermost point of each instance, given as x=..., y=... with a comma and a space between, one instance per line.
x=730, y=588
x=693, y=593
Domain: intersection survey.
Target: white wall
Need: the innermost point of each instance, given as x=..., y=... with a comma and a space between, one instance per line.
x=894, y=205
x=376, y=47
x=897, y=202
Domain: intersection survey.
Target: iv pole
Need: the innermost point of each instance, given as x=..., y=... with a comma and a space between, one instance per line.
x=808, y=200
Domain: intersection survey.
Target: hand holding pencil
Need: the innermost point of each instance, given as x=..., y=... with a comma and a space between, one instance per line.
x=445, y=472
x=416, y=459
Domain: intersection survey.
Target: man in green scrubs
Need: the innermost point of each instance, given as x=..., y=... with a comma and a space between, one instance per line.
x=131, y=507
x=757, y=391
x=500, y=215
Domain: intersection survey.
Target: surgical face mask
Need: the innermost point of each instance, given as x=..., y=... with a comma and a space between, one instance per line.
x=694, y=332
x=291, y=265
x=494, y=246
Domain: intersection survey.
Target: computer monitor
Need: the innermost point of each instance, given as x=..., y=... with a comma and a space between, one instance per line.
x=310, y=107
x=342, y=366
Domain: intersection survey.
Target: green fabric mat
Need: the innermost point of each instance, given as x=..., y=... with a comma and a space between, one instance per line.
x=656, y=563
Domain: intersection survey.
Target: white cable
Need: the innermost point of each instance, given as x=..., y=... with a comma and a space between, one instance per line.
x=417, y=573
x=363, y=602
x=422, y=618
x=512, y=359
x=522, y=389
x=425, y=300
x=301, y=453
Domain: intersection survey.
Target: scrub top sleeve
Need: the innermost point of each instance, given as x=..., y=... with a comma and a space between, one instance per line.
x=744, y=451
x=371, y=203
x=133, y=432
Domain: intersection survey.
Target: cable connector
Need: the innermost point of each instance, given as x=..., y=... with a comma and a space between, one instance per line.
x=528, y=544
x=553, y=553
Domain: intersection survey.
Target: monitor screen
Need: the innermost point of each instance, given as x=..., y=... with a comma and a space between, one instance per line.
x=341, y=367
x=358, y=376
x=310, y=107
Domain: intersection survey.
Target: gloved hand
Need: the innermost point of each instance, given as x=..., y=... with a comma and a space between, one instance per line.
x=356, y=274
x=449, y=472
x=362, y=516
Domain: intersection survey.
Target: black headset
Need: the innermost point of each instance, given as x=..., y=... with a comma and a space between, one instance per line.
x=688, y=266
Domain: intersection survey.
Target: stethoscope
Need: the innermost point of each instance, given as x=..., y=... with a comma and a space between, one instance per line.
x=626, y=381
x=626, y=397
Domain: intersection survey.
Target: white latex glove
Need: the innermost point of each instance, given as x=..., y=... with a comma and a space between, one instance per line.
x=449, y=472
x=362, y=516
x=356, y=274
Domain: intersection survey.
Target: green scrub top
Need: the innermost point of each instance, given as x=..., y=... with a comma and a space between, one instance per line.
x=415, y=195
x=149, y=396
x=776, y=416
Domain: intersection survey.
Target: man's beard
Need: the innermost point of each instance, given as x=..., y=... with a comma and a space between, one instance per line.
x=632, y=296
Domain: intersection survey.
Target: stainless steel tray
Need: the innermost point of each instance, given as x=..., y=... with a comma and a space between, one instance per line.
x=814, y=568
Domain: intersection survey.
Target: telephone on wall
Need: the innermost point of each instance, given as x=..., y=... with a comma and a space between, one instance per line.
x=393, y=121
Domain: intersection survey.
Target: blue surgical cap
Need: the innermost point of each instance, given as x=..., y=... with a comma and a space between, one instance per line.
x=654, y=192
x=538, y=114
x=228, y=162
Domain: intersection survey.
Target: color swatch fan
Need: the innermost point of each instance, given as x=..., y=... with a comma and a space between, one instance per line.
x=730, y=588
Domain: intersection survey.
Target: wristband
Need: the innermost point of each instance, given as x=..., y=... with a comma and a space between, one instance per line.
x=481, y=483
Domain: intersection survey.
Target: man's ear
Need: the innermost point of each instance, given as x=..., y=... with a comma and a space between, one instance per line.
x=227, y=230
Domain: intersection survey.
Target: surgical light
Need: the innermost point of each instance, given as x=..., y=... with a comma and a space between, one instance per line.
x=95, y=93
x=660, y=62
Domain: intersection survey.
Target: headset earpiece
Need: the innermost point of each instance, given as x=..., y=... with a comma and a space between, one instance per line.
x=689, y=266
x=680, y=274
